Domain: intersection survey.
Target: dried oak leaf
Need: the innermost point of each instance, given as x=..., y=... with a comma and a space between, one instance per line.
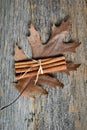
x=27, y=85
x=55, y=46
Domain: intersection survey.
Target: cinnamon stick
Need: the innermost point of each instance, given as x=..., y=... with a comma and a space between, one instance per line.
x=47, y=70
x=35, y=63
x=30, y=62
x=21, y=70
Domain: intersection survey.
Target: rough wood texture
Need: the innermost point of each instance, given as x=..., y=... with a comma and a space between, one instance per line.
x=62, y=109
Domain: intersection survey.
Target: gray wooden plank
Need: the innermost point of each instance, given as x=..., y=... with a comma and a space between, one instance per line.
x=62, y=109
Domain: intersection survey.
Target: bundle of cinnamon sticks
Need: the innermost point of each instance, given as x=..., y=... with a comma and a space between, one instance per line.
x=24, y=69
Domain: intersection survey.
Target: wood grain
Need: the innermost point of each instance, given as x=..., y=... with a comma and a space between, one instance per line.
x=62, y=109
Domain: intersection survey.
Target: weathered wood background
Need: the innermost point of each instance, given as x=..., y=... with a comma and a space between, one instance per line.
x=62, y=109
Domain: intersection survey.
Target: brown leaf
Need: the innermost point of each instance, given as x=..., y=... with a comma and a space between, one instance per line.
x=55, y=44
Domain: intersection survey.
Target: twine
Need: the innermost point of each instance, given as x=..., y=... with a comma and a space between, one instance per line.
x=40, y=71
